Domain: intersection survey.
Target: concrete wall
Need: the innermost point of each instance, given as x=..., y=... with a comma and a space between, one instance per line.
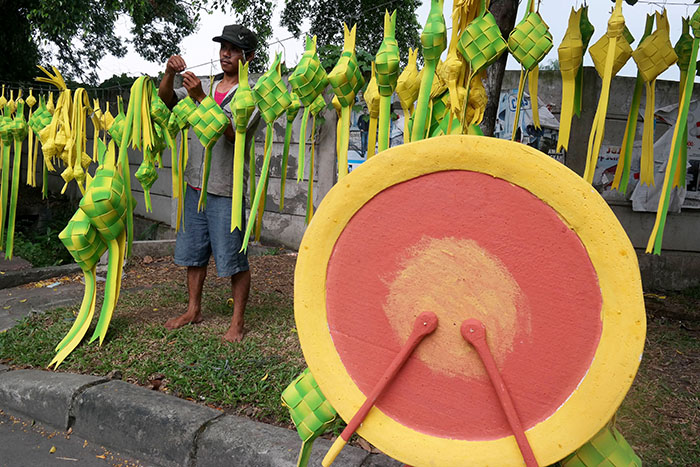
x=679, y=265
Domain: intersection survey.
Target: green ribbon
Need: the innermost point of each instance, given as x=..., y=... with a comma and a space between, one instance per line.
x=434, y=40
x=656, y=237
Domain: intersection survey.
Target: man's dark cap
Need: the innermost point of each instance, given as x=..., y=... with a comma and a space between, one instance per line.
x=239, y=36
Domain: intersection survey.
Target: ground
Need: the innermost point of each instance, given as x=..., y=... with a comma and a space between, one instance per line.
x=659, y=417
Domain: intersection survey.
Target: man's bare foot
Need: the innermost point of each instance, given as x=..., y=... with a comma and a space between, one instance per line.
x=233, y=335
x=182, y=320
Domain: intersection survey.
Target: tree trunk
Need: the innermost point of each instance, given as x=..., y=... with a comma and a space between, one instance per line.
x=505, y=12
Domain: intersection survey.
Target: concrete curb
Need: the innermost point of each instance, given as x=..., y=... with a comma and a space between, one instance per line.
x=24, y=276
x=157, y=427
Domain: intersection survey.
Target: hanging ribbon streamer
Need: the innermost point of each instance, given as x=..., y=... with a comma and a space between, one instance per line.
x=683, y=49
x=653, y=56
x=407, y=88
x=371, y=96
x=242, y=108
x=434, y=41
x=19, y=129
x=570, y=61
x=31, y=147
x=6, y=143
x=656, y=237
x=609, y=55
x=292, y=112
x=529, y=42
x=308, y=80
x=387, y=69
x=346, y=81
x=272, y=99
x=209, y=122
x=587, y=31
x=316, y=107
x=624, y=163
x=84, y=243
x=107, y=205
x=178, y=122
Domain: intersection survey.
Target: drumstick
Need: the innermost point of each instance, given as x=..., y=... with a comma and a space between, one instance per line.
x=474, y=332
x=425, y=324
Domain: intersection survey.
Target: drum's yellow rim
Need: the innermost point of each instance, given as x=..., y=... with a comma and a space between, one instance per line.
x=579, y=206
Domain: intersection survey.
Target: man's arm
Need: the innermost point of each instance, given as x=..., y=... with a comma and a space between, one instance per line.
x=166, y=92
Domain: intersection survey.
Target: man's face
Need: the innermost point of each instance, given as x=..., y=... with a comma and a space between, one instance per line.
x=229, y=55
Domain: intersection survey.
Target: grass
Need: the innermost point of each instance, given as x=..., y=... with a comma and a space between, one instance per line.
x=192, y=362
x=659, y=417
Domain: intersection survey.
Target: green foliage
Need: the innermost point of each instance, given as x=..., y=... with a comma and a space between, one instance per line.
x=330, y=53
x=41, y=249
x=193, y=361
x=552, y=64
x=327, y=17
x=75, y=35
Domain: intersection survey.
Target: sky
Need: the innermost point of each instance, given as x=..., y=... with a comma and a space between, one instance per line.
x=200, y=49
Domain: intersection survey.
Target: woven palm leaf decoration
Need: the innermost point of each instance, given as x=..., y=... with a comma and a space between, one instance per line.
x=316, y=107
x=147, y=176
x=407, y=88
x=116, y=129
x=30, y=102
x=11, y=104
x=160, y=115
x=587, y=31
x=272, y=99
x=178, y=122
x=3, y=99
x=481, y=44
x=97, y=126
x=106, y=204
x=308, y=80
x=55, y=135
x=387, y=73
x=656, y=237
x=371, y=96
x=242, y=108
x=529, y=42
x=570, y=60
x=434, y=41
x=76, y=148
x=85, y=245
x=138, y=134
x=38, y=121
x=19, y=130
x=291, y=112
x=607, y=448
x=310, y=411
x=622, y=171
x=653, y=56
x=208, y=122
x=609, y=55
x=346, y=81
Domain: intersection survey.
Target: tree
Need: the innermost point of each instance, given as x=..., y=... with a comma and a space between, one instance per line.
x=75, y=35
x=327, y=17
x=505, y=12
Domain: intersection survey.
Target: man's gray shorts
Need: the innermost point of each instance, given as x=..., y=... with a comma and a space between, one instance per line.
x=209, y=231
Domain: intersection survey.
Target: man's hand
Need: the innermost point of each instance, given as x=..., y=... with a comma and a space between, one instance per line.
x=193, y=86
x=175, y=65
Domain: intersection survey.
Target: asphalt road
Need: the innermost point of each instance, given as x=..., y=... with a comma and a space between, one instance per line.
x=25, y=444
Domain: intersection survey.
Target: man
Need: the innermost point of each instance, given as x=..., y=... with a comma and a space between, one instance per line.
x=208, y=232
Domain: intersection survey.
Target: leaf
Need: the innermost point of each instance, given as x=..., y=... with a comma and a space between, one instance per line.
x=265, y=377
x=52, y=450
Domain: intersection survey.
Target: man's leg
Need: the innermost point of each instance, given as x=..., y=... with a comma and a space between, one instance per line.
x=240, y=287
x=195, y=283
